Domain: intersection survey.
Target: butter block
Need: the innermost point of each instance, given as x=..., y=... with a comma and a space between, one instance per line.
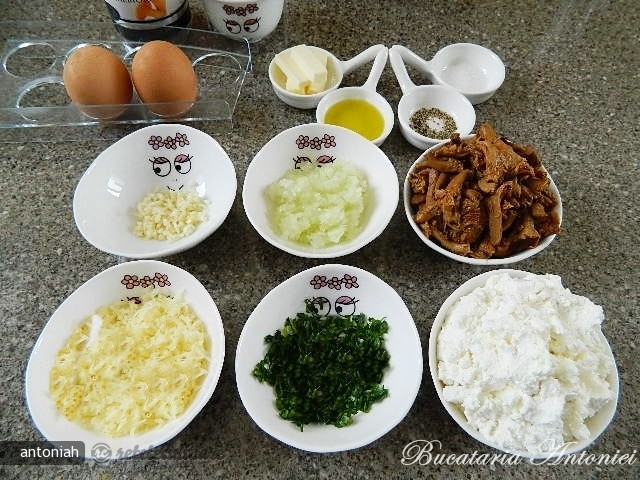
x=295, y=78
x=314, y=64
x=305, y=69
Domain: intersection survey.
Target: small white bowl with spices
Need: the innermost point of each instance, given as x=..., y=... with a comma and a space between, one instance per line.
x=158, y=191
x=429, y=114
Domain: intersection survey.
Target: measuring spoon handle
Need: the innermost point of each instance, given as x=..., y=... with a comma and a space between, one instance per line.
x=363, y=57
x=376, y=71
x=398, y=55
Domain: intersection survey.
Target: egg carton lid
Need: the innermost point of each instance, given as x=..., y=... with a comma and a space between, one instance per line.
x=32, y=92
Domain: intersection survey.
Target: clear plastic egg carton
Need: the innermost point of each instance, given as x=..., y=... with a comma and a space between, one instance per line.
x=32, y=92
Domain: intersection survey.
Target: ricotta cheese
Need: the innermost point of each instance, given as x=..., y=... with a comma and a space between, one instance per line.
x=526, y=361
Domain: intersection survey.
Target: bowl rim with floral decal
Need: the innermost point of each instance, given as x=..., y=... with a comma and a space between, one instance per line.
x=354, y=290
x=165, y=156
x=120, y=282
x=321, y=145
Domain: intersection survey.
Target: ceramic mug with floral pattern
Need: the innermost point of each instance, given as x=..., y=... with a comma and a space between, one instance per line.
x=250, y=19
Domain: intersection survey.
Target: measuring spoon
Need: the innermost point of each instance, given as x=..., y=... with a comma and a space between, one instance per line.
x=440, y=97
x=366, y=92
x=473, y=70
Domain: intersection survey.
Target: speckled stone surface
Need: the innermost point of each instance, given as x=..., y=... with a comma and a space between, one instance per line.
x=571, y=90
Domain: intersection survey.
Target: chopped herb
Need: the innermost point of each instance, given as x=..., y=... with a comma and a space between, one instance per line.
x=325, y=369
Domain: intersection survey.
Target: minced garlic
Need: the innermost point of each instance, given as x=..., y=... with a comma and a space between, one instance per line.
x=169, y=214
x=131, y=367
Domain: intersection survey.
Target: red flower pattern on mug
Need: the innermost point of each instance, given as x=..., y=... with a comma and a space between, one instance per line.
x=335, y=283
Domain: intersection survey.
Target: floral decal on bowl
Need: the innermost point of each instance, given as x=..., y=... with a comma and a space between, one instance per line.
x=147, y=281
x=327, y=141
x=158, y=142
x=238, y=25
x=348, y=281
x=344, y=305
x=162, y=166
x=316, y=143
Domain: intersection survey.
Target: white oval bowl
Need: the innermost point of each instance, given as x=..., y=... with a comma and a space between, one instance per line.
x=544, y=243
x=374, y=298
x=596, y=424
x=335, y=73
x=277, y=157
x=103, y=289
x=121, y=176
x=473, y=70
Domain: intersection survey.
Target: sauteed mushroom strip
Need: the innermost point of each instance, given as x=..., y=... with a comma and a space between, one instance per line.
x=483, y=197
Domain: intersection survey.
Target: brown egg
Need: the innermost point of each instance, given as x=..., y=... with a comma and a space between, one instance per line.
x=161, y=73
x=94, y=75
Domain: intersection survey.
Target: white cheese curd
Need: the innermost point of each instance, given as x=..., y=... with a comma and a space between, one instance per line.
x=526, y=360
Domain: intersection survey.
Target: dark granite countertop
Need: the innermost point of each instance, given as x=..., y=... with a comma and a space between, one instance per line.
x=571, y=90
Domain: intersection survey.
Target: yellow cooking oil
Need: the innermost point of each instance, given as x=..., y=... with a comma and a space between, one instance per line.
x=358, y=115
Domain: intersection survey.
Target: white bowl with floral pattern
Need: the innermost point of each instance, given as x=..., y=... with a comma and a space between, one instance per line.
x=123, y=282
x=342, y=290
x=323, y=146
x=159, y=157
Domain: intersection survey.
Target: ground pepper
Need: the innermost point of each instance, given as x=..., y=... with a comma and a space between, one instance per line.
x=433, y=123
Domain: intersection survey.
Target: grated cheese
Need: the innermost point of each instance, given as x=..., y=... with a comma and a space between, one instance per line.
x=169, y=214
x=131, y=367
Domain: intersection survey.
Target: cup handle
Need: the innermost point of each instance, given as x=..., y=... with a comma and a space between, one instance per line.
x=363, y=57
x=376, y=71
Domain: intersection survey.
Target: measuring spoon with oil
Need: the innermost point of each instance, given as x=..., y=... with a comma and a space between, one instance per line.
x=361, y=109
